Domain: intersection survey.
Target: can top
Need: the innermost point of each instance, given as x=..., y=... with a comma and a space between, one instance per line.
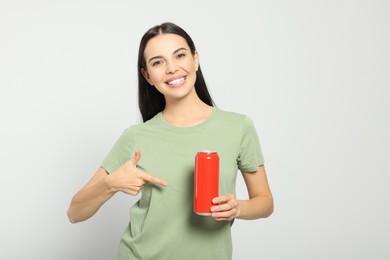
x=207, y=151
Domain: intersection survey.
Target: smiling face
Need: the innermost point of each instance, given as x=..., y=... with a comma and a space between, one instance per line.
x=170, y=66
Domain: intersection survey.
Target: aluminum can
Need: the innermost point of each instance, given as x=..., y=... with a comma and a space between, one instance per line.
x=206, y=181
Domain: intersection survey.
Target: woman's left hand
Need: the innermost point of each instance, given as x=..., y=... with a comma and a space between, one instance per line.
x=227, y=209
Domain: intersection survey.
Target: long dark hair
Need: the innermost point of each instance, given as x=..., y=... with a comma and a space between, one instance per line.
x=150, y=101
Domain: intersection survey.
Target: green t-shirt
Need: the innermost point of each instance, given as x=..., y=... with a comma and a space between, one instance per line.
x=162, y=223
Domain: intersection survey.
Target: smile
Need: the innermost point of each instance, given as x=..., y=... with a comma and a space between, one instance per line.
x=175, y=82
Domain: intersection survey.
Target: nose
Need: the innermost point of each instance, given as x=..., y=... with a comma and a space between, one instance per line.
x=171, y=67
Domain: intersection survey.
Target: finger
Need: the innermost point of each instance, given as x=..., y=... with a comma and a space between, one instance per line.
x=233, y=203
x=131, y=192
x=137, y=188
x=150, y=178
x=224, y=219
x=139, y=182
x=223, y=207
x=224, y=198
x=219, y=216
x=136, y=157
x=225, y=215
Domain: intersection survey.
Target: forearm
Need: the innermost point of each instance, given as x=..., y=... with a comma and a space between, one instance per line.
x=88, y=201
x=260, y=206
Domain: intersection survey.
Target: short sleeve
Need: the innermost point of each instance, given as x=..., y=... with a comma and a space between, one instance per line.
x=122, y=151
x=250, y=154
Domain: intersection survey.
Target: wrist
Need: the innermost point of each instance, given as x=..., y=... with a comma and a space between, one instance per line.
x=109, y=183
x=239, y=204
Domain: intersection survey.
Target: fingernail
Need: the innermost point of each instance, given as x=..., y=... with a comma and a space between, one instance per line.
x=214, y=200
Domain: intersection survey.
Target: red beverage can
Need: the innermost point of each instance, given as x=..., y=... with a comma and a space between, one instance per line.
x=206, y=181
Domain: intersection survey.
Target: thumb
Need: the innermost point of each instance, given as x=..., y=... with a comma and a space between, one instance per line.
x=136, y=157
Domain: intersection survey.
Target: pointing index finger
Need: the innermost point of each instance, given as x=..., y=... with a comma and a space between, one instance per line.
x=150, y=178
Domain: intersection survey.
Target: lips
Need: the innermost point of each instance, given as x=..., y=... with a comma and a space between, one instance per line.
x=176, y=81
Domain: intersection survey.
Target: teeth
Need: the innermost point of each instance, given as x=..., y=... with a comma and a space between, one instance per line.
x=176, y=81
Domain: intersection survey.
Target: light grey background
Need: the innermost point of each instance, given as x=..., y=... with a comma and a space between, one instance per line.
x=313, y=75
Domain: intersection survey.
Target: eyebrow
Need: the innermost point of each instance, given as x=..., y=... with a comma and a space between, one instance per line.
x=158, y=57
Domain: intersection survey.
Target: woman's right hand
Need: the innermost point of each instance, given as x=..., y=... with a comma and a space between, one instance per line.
x=131, y=180
x=102, y=186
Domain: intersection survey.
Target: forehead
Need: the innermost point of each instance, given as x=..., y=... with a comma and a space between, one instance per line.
x=164, y=44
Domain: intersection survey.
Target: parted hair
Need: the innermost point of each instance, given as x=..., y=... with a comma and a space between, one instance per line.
x=151, y=101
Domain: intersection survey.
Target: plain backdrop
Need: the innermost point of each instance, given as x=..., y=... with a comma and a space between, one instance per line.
x=313, y=75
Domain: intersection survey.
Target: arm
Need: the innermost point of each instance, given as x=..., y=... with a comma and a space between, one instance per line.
x=102, y=186
x=90, y=198
x=259, y=204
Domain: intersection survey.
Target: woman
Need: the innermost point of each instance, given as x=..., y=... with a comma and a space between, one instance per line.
x=179, y=120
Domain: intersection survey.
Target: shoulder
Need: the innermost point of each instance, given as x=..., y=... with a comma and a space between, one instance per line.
x=142, y=126
x=233, y=117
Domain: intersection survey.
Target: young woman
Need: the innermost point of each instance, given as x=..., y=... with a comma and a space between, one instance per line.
x=179, y=120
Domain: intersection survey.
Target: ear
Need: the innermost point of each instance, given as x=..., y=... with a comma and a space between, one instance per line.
x=146, y=76
x=196, y=60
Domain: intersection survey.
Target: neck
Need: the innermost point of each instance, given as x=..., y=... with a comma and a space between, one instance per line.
x=186, y=112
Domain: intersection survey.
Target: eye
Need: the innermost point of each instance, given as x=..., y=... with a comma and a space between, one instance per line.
x=156, y=63
x=180, y=55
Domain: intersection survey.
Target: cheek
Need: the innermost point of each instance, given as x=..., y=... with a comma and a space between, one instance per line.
x=190, y=66
x=155, y=76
